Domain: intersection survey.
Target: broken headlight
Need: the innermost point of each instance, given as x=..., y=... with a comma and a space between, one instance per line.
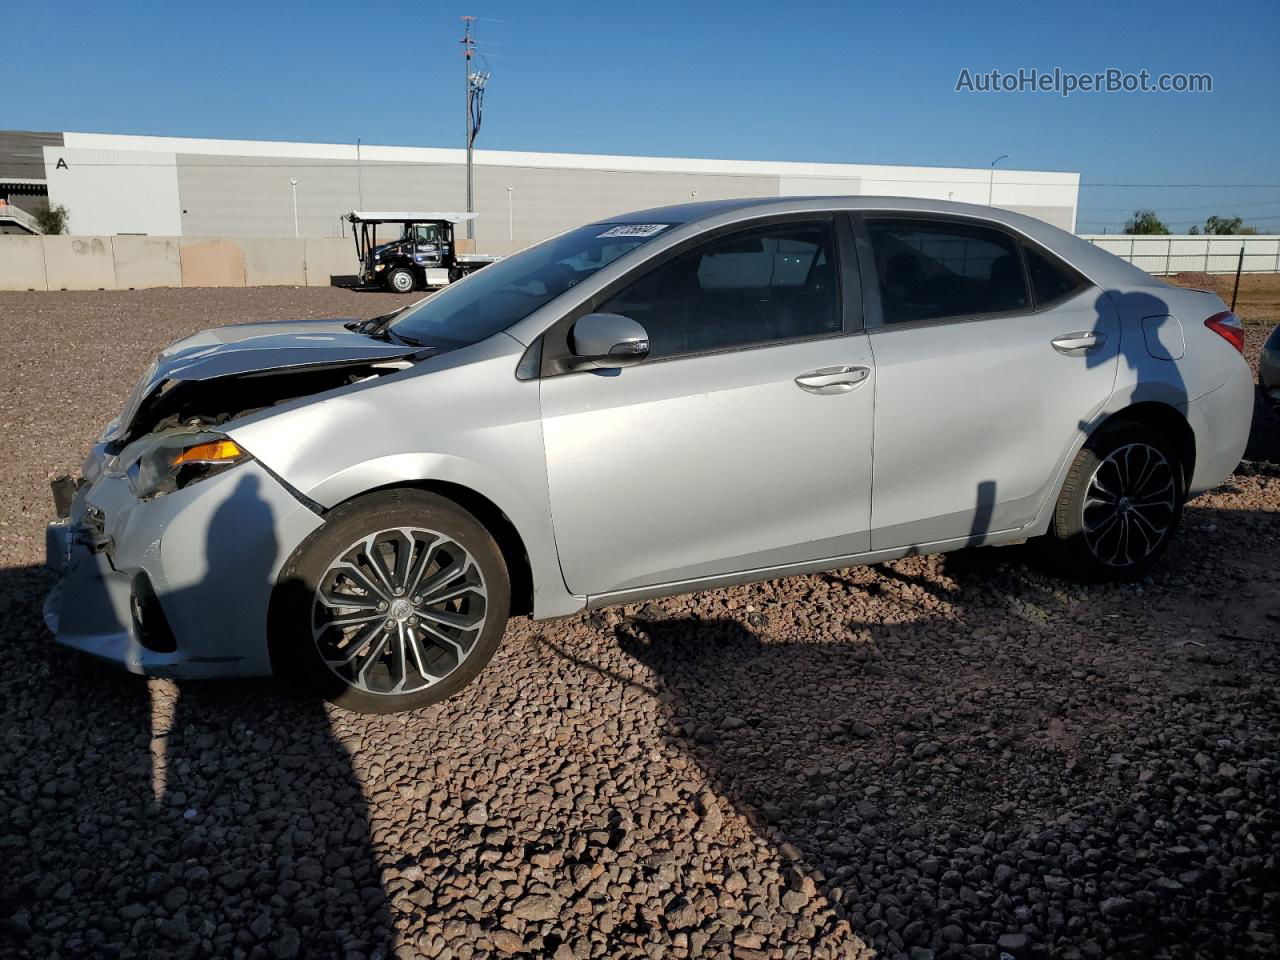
x=183, y=459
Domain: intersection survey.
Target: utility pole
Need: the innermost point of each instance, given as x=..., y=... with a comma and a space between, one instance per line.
x=468, y=51
x=476, y=80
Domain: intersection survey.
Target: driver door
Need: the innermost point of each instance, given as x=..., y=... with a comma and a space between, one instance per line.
x=427, y=251
x=742, y=442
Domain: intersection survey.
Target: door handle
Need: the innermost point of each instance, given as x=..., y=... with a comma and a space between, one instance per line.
x=832, y=379
x=1073, y=342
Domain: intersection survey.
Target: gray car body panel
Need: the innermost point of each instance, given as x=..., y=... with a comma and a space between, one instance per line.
x=461, y=418
x=705, y=453
x=671, y=475
x=1024, y=403
x=212, y=551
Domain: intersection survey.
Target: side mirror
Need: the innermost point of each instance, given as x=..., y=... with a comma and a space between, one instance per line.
x=608, y=341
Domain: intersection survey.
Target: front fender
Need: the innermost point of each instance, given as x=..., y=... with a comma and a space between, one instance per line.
x=551, y=597
x=462, y=418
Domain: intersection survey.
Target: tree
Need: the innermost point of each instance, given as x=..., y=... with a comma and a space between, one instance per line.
x=1145, y=221
x=52, y=219
x=1221, y=226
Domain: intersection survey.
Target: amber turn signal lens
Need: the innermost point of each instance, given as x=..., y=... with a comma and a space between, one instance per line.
x=216, y=451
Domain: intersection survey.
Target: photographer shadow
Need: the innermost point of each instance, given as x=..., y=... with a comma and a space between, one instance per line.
x=182, y=818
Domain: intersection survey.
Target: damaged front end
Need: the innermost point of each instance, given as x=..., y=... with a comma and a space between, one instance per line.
x=208, y=379
x=172, y=538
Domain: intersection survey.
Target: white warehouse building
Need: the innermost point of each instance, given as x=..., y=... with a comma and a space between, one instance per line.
x=173, y=186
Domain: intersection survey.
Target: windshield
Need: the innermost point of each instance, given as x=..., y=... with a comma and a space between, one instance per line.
x=505, y=292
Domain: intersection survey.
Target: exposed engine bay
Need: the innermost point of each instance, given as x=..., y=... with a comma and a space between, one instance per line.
x=229, y=372
x=203, y=404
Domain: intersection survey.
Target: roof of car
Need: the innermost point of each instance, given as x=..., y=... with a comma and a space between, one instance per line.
x=703, y=209
x=1094, y=262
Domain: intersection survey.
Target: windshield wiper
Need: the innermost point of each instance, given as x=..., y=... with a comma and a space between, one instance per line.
x=387, y=335
x=411, y=341
x=377, y=329
x=374, y=325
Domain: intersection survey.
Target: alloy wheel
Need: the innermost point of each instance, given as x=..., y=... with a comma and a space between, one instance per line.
x=399, y=610
x=1130, y=505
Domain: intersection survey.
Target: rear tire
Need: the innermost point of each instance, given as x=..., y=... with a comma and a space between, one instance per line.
x=397, y=602
x=401, y=280
x=1119, y=506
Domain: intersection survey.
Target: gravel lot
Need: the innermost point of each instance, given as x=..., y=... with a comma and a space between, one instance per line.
x=939, y=757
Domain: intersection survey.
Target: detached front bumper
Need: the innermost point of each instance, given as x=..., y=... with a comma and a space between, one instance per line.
x=177, y=586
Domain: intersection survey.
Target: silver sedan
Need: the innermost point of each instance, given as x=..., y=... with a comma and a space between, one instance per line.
x=659, y=403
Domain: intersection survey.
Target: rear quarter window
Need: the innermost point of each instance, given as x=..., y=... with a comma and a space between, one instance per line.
x=1051, y=279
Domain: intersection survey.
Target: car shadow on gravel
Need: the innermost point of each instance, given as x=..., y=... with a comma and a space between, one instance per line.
x=154, y=818
x=1026, y=769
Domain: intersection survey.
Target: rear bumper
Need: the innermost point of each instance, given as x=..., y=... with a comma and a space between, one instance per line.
x=177, y=586
x=1221, y=421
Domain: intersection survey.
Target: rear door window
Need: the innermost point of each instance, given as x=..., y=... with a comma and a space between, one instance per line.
x=934, y=270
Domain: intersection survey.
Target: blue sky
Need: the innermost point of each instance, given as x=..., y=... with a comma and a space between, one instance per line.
x=863, y=82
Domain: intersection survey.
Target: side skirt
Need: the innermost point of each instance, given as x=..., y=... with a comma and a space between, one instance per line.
x=678, y=587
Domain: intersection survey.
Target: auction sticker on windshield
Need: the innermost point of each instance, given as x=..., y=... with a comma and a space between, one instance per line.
x=634, y=230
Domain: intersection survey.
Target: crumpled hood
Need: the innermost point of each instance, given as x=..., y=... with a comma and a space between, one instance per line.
x=256, y=348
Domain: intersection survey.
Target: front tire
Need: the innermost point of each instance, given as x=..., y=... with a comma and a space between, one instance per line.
x=401, y=280
x=397, y=602
x=1119, y=506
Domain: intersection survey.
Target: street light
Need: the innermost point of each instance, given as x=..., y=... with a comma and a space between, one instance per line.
x=991, y=184
x=511, y=222
x=359, y=176
x=293, y=185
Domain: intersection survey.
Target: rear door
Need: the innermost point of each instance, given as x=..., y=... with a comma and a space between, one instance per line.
x=990, y=355
x=743, y=441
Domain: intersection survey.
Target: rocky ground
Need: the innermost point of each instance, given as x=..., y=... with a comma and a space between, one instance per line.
x=938, y=757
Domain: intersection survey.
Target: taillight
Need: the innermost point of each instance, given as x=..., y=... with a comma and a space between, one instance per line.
x=1227, y=325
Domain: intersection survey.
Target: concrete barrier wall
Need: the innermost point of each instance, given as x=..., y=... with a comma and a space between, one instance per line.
x=274, y=263
x=211, y=263
x=146, y=262
x=79, y=263
x=328, y=259
x=22, y=264
x=129, y=262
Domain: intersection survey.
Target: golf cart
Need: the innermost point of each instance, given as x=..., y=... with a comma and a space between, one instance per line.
x=424, y=254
